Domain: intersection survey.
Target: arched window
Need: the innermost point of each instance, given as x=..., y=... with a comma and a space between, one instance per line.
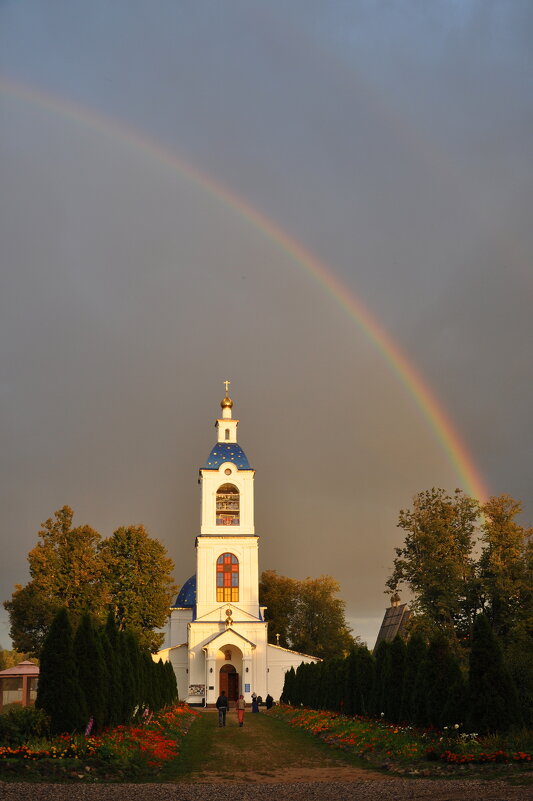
x=228, y=505
x=227, y=433
x=227, y=578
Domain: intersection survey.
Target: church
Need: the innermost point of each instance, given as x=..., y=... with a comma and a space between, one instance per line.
x=218, y=636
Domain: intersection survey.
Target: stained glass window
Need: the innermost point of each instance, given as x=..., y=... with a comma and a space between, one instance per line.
x=227, y=578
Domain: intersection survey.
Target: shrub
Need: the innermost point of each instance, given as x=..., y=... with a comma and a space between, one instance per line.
x=19, y=725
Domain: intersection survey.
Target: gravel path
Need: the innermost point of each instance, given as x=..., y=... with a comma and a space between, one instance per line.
x=386, y=790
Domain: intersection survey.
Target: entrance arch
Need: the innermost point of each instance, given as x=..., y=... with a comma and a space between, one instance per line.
x=229, y=682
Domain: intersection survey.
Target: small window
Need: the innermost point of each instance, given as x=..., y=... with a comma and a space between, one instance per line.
x=227, y=578
x=227, y=433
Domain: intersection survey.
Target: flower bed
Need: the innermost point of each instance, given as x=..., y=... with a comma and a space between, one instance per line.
x=398, y=747
x=125, y=750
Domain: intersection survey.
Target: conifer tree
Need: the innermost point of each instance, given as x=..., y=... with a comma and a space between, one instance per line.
x=378, y=695
x=365, y=669
x=393, y=680
x=493, y=705
x=91, y=670
x=111, y=653
x=58, y=692
x=134, y=658
x=287, y=695
x=126, y=668
x=442, y=675
x=350, y=682
x=414, y=658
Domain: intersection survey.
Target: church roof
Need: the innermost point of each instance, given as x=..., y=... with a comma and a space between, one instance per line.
x=394, y=622
x=187, y=595
x=227, y=452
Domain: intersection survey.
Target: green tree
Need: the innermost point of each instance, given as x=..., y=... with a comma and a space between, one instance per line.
x=110, y=646
x=137, y=573
x=415, y=655
x=382, y=661
x=393, y=680
x=91, y=670
x=443, y=683
x=128, y=573
x=506, y=568
x=278, y=594
x=493, y=702
x=365, y=668
x=9, y=659
x=59, y=693
x=65, y=571
x=436, y=561
x=308, y=615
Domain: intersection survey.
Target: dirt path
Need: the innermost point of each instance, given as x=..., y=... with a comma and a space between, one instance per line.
x=266, y=750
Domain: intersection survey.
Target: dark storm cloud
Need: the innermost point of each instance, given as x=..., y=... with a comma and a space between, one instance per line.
x=394, y=143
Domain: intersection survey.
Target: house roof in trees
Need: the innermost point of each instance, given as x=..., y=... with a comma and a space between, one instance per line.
x=394, y=622
x=25, y=668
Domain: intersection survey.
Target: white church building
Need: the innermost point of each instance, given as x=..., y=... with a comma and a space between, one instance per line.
x=218, y=638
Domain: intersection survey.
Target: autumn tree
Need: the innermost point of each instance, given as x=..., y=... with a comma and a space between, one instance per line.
x=137, y=573
x=505, y=568
x=65, y=571
x=435, y=561
x=308, y=615
x=73, y=567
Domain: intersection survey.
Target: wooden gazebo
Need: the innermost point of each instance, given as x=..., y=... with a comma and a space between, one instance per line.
x=18, y=685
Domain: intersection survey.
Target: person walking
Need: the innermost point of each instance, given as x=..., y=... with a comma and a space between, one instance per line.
x=255, y=704
x=222, y=705
x=241, y=706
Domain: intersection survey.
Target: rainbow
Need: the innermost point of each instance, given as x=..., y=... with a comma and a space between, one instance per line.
x=456, y=451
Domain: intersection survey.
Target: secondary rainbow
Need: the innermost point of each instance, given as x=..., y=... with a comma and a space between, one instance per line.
x=419, y=390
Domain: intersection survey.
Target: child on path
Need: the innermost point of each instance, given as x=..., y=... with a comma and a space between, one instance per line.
x=241, y=706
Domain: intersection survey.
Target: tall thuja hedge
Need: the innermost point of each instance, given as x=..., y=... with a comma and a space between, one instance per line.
x=59, y=692
x=415, y=655
x=171, y=696
x=289, y=687
x=492, y=697
x=393, y=676
x=109, y=637
x=91, y=671
x=128, y=694
x=382, y=661
x=443, y=684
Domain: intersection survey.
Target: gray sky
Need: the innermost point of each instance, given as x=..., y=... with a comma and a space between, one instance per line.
x=393, y=141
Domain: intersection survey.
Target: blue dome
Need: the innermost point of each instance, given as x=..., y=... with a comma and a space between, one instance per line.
x=227, y=452
x=187, y=594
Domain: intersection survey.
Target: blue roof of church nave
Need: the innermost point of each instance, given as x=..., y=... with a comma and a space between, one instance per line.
x=227, y=452
x=187, y=595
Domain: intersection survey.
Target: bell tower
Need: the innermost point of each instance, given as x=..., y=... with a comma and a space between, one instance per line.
x=227, y=548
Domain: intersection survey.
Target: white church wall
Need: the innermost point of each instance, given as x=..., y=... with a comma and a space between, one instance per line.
x=179, y=620
x=280, y=660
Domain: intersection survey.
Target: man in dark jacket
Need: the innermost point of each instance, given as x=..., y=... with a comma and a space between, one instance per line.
x=222, y=706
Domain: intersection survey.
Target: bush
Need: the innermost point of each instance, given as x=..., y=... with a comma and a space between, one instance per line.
x=17, y=726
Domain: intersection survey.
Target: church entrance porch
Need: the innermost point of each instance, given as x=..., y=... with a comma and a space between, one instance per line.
x=229, y=682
